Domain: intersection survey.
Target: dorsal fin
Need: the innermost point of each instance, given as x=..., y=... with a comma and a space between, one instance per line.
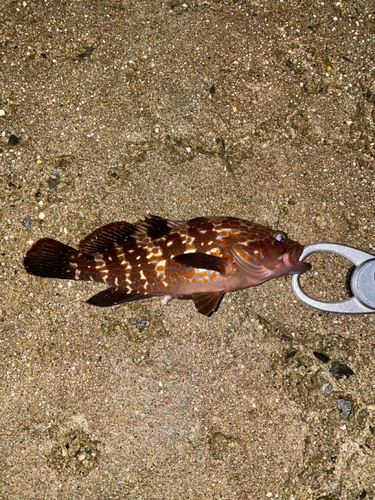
x=106, y=237
x=155, y=226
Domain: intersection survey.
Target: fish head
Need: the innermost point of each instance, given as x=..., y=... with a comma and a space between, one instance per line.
x=280, y=254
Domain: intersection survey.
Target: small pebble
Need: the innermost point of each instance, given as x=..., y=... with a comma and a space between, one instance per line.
x=42, y=216
x=140, y=322
x=346, y=407
x=2, y=112
x=332, y=485
x=27, y=223
x=327, y=389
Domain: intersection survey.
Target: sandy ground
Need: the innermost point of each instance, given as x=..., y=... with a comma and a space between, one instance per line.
x=112, y=110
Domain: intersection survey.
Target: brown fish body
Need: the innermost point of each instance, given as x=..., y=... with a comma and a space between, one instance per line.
x=199, y=259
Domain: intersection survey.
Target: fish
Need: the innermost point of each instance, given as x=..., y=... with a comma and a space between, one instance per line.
x=199, y=259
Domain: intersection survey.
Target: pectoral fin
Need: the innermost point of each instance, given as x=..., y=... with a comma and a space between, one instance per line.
x=202, y=261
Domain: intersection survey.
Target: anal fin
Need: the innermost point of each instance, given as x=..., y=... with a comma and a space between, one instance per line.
x=113, y=297
x=202, y=261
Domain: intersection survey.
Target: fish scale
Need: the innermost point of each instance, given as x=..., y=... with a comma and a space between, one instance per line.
x=198, y=259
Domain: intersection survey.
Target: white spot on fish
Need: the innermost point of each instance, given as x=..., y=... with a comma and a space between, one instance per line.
x=99, y=263
x=116, y=281
x=77, y=274
x=191, y=250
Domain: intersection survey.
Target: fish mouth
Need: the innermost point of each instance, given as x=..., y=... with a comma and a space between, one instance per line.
x=292, y=262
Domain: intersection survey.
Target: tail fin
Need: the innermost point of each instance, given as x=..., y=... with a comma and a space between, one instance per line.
x=51, y=259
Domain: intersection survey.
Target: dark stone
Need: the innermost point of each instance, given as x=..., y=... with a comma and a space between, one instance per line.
x=290, y=354
x=363, y=494
x=87, y=53
x=13, y=140
x=212, y=89
x=370, y=97
x=322, y=357
x=340, y=371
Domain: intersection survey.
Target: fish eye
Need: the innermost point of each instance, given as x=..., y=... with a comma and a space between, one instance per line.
x=280, y=236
